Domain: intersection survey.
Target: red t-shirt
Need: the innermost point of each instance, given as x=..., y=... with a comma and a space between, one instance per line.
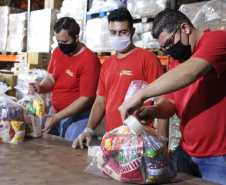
x=139, y=65
x=201, y=106
x=74, y=76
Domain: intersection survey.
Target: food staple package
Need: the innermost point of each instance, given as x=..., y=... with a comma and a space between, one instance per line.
x=140, y=158
x=12, y=126
x=34, y=109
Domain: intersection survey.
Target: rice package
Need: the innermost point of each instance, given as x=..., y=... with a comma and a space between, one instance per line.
x=12, y=125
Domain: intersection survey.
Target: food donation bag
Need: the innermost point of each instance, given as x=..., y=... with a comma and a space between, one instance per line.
x=127, y=157
x=34, y=109
x=12, y=126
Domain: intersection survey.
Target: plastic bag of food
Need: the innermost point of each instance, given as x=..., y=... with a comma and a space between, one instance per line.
x=133, y=153
x=134, y=87
x=12, y=126
x=34, y=109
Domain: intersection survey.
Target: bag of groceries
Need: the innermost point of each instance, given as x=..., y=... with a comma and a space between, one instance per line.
x=12, y=126
x=34, y=109
x=133, y=153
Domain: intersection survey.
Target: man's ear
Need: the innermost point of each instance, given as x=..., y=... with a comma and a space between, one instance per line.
x=132, y=32
x=186, y=28
x=76, y=38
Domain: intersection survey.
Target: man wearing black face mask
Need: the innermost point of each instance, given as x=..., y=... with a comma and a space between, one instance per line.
x=72, y=79
x=195, y=89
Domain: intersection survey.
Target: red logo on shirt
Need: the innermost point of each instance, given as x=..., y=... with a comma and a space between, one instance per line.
x=69, y=72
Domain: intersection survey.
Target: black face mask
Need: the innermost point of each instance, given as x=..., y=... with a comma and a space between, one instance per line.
x=179, y=51
x=67, y=48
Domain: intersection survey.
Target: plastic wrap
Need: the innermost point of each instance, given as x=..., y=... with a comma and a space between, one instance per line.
x=207, y=14
x=127, y=157
x=34, y=109
x=108, y=5
x=16, y=41
x=143, y=8
x=41, y=30
x=134, y=87
x=99, y=42
x=12, y=126
x=4, y=11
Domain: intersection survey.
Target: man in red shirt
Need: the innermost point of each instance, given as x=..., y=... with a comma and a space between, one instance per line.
x=195, y=89
x=72, y=79
x=118, y=71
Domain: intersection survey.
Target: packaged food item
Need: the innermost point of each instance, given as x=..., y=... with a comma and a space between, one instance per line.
x=34, y=109
x=12, y=126
x=127, y=157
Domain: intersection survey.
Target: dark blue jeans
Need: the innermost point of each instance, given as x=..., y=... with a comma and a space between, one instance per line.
x=71, y=127
x=209, y=168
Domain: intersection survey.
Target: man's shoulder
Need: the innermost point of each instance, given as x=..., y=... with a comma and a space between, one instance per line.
x=146, y=52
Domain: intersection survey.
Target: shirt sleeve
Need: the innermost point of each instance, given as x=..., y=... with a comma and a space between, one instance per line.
x=51, y=63
x=89, y=77
x=213, y=50
x=152, y=68
x=101, y=85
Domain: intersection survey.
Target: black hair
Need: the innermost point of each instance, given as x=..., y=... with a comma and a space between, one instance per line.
x=168, y=20
x=69, y=24
x=120, y=15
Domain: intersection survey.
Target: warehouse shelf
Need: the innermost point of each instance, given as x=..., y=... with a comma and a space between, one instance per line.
x=9, y=58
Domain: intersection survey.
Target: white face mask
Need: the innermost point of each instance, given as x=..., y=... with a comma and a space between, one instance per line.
x=120, y=43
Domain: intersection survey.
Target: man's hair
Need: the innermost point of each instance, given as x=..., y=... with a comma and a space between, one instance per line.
x=167, y=21
x=120, y=15
x=69, y=24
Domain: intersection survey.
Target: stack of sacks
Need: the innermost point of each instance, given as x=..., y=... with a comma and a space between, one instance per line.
x=16, y=41
x=99, y=42
x=76, y=10
x=209, y=14
x=143, y=8
x=4, y=12
x=12, y=126
x=105, y=6
x=142, y=37
x=41, y=32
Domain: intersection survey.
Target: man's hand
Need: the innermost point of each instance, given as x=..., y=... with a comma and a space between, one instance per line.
x=50, y=124
x=33, y=87
x=87, y=134
x=130, y=105
x=145, y=114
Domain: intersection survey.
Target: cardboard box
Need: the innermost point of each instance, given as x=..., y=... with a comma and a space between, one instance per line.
x=38, y=66
x=9, y=78
x=21, y=68
x=53, y=4
x=39, y=58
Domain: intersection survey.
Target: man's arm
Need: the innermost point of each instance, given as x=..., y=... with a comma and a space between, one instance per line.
x=97, y=114
x=45, y=86
x=73, y=108
x=181, y=76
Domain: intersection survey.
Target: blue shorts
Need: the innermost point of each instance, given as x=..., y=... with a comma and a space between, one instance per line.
x=71, y=127
x=209, y=168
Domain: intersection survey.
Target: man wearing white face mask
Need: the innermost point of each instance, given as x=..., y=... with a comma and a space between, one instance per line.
x=128, y=64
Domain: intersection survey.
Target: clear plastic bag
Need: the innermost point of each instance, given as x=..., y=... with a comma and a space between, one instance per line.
x=12, y=126
x=126, y=157
x=134, y=87
x=34, y=109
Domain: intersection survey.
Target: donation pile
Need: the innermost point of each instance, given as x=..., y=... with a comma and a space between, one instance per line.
x=127, y=157
x=12, y=126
